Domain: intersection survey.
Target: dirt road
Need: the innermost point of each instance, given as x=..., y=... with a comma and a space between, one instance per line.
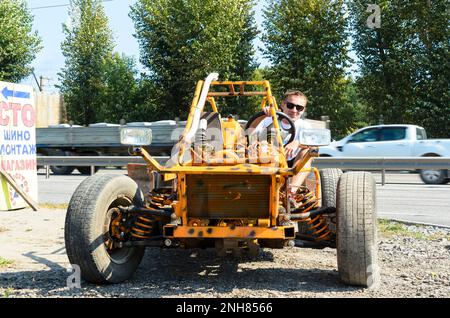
x=33, y=263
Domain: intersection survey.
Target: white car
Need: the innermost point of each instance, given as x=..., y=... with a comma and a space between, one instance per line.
x=393, y=141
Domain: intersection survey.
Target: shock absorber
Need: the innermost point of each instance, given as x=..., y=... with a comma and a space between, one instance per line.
x=143, y=227
x=200, y=141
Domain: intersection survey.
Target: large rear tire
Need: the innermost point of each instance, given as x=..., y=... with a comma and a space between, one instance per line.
x=329, y=179
x=357, y=254
x=87, y=225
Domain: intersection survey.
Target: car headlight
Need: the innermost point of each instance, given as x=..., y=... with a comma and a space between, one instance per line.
x=136, y=136
x=315, y=137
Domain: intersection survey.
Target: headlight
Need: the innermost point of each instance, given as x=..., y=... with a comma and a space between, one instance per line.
x=315, y=137
x=136, y=136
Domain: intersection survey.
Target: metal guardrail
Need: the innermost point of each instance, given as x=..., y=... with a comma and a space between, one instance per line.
x=101, y=161
x=382, y=164
x=363, y=163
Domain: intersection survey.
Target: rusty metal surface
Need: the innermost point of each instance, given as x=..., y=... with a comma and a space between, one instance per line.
x=247, y=232
x=228, y=196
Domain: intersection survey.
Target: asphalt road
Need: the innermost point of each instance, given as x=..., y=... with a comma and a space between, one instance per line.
x=405, y=197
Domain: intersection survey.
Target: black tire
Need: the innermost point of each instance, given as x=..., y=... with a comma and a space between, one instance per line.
x=85, y=228
x=434, y=176
x=357, y=254
x=329, y=179
x=62, y=170
x=40, y=154
x=86, y=170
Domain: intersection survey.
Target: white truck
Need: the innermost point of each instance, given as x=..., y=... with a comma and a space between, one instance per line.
x=393, y=141
x=101, y=139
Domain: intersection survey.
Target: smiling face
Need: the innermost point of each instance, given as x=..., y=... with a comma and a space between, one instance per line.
x=293, y=113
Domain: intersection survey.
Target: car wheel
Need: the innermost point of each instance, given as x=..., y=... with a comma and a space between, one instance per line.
x=434, y=176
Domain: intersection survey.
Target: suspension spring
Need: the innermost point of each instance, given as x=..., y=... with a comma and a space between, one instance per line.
x=318, y=226
x=319, y=229
x=143, y=227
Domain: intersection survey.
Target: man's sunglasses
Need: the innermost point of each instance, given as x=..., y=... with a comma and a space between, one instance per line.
x=299, y=108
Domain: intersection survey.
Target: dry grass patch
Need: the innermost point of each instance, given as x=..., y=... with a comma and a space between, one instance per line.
x=388, y=229
x=5, y=262
x=54, y=206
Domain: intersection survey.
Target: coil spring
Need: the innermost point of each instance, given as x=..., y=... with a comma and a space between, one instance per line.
x=143, y=227
x=159, y=200
x=316, y=228
x=319, y=229
x=305, y=200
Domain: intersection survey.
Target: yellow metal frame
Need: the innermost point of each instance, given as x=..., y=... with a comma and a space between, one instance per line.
x=238, y=232
x=267, y=228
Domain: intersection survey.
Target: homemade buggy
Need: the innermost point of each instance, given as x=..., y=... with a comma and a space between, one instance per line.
x=226, y=188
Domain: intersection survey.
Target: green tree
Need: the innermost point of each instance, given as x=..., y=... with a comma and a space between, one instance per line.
x=118, y=96
x=245, y=68
x=181, y=41
x=18, y=43
x=87, y=47
x=404, y=65
x=307, y=44
x=354, y=108
x=385, y=80
x=430, y=38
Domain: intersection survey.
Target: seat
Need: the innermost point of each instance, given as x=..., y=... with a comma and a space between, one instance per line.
x=213, y=132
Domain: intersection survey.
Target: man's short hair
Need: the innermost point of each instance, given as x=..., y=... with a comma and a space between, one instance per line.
x=294, y=92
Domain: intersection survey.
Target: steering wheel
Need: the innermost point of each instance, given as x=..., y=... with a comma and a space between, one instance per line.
x=280, y=117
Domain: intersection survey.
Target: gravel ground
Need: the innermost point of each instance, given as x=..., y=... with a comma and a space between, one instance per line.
x=413, y=264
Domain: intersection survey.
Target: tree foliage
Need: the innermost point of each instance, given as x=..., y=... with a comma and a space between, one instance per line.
x=86, y=48
x=307, y=43
x=18, y=43
x=181, y=41
x=118, y=96
x=404, y=65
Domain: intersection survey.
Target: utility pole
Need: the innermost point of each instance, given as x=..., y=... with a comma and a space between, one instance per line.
x=42, y=82
x=37, y=82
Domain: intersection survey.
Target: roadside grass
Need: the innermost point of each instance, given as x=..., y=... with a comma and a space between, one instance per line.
x=54, y=206
x=5, y=293
x=388, y=229
x=5, y=262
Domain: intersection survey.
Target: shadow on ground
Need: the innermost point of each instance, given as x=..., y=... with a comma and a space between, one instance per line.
x=171, y=273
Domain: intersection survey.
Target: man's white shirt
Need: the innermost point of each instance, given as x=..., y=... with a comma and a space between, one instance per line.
x=299, y=125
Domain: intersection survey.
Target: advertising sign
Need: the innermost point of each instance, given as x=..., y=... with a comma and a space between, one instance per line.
x=17, y=143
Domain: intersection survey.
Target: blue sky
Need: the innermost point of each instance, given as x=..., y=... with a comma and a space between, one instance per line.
x=48, y=22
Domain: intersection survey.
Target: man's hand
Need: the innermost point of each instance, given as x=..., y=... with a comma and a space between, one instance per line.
x=292, y=147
